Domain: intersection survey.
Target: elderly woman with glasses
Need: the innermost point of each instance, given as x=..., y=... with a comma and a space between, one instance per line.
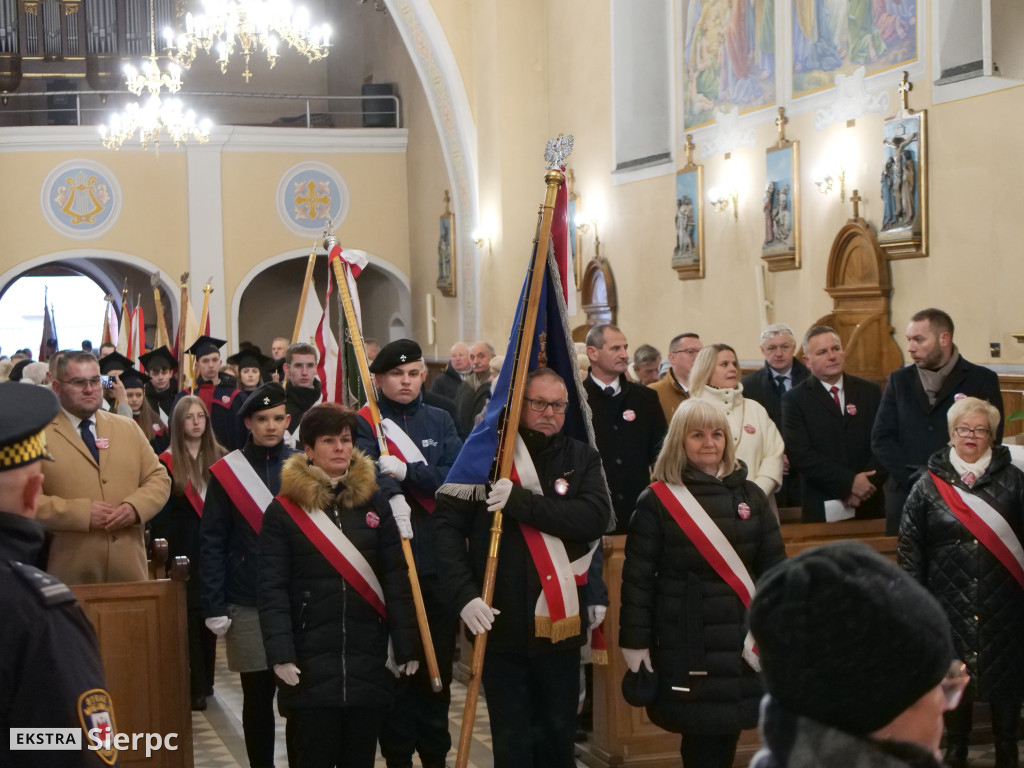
x=960, y=536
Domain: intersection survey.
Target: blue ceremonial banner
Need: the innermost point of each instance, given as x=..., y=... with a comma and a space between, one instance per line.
x=553, y=347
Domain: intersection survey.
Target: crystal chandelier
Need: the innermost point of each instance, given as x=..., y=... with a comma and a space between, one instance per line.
x=248, y=26
x=145, y=121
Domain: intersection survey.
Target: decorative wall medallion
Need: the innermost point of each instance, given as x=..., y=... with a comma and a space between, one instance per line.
x=81, y=199
x=309, y=194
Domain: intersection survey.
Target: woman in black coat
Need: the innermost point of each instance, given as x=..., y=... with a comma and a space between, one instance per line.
x=679, y=616
x=940, y=546
x=329, y=637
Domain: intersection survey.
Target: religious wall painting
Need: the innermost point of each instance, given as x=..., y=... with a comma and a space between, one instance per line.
x=832, y=37
x=574, y=206
x=81, y=199
x=688, y=255
x=903, y=230
x=446, y=250
x=781, y=207
x=309, y=195
x=729, y=58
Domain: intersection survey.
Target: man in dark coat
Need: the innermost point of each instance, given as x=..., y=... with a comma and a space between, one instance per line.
x=410, y=476
x=911, y=421
x=828, y=434
x=218, y=391
x=49, y=658
x=241, y=487
x=629, y=423
x=531, y=669
x=448, y=382
x=162, y=387
x=301, y=385
x=781, y=372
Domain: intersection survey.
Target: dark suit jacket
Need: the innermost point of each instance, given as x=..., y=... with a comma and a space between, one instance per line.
x=908, y=430
x=628, y=430
x=760, y=386
x=828, y=447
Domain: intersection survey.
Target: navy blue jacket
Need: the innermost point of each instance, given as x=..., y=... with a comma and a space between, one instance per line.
x=229, y=544
x=760, y=386
x=433, y=432
x=908, y=430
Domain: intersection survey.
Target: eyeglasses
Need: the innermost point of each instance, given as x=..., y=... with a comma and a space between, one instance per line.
x=968, y=432
x=542, y=405
x=82, y=383
x=954, y=683
x=684, y=352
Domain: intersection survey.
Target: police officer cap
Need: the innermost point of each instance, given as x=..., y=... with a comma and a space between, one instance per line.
x=269, y=395
x=395, y=354
x=206, y=345
x=27, y=410
x=115, y=361
x=161, y=357
x=133, y=379
x=251, y=357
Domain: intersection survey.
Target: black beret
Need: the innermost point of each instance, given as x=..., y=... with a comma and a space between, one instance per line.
x=266, y=396
x=640, y=688
x=161, y=357
x=848, y=638
x=27, y=411
x=206, y=345
x=395, y=354
x=18, y=370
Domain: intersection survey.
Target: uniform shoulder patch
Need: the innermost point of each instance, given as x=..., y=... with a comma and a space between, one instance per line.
x=96, y=714
x=50, y=590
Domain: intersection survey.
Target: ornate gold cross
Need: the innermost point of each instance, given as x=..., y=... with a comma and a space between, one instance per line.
x=905, y=87
x=780, y=123
x=855, y=198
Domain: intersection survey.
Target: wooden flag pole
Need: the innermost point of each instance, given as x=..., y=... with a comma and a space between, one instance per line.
x=340, y=269
x=207, y=290
x=162, y=337
x=183, y=304
x=506, y=446
x=302, y=296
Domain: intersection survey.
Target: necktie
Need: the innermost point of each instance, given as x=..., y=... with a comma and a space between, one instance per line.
x=835, y=396
x=610, y=391
x=780, y=384
x=88, y=439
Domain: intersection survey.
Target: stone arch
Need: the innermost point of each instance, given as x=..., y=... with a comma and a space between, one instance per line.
x=266, y=301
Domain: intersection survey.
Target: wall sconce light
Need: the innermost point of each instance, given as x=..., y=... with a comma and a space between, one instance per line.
x=828, y=182
x=584, y=224
x=480, y=238
x=720, y=200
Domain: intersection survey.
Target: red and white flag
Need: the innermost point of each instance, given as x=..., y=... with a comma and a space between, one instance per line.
x=560, y=233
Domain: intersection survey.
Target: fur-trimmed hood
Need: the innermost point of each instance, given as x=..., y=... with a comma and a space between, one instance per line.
x=310, y=488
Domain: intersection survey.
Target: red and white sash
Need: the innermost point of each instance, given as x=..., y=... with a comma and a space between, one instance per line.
x=402, y=446
x=244, y=487
x=196, y=499
x=713, y=546
x=557, y=613
x=986, y=524
x=339, y=552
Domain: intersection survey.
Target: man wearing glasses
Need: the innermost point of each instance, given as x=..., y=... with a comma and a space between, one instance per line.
x=674, y=387
x=911, y=421
x=104, y=484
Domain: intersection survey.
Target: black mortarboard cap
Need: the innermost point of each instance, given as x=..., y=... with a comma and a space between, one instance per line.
x=161, y=357
x=133, y=379
x=251, y=358
x=206, y=345
x=115, y=361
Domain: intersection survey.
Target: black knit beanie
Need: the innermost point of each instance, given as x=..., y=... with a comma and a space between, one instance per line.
x=847, y=638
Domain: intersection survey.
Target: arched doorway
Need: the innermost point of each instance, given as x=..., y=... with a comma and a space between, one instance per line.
x=267, y=300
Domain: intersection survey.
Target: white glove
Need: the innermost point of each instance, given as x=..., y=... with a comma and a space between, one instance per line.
x=288, y=673
x=409, y=668
x=400, y=509
x=392, y=465
x=219, y=625
x=596, y=614
x=635, y=657
x=498, y=497
x=478, y=615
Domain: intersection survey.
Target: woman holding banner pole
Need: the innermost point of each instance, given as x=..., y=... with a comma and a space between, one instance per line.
x=960, y=536
x=335, y=602
x=700, y=536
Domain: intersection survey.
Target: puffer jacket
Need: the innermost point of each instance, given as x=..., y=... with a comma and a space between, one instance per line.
x=794, y=741
x=984, y=603
x=312, y=617
x=676, y=604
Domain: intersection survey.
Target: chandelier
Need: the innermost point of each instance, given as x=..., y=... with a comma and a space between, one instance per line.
x=249, y=26
x=145, y=121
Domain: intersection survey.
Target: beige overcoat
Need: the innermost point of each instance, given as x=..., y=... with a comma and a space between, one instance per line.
x=128, y=470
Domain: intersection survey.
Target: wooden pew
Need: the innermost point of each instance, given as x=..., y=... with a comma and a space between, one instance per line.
x=144, y=645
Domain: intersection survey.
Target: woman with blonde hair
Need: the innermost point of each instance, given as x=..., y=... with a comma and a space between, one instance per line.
x=192, y=451
x=962, y=537
x=715, y=378
x=700, y=536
